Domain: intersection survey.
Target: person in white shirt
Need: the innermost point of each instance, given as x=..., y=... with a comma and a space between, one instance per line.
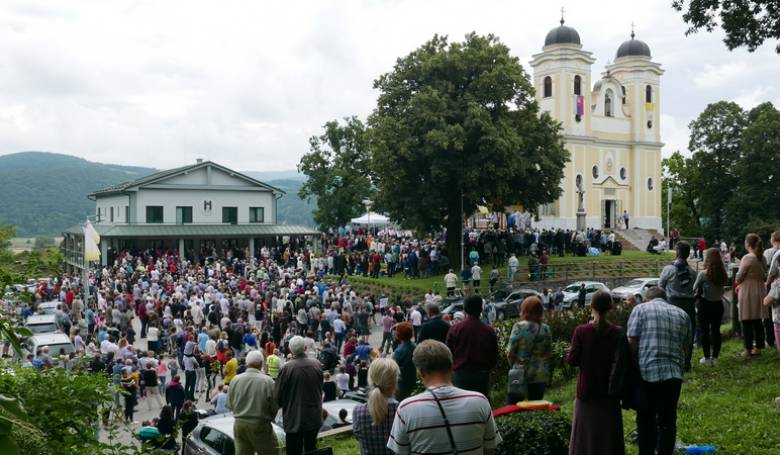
x=342, y=381
x=513, y=265
x=153, y=339
x=476, y=276
x=416, y=318
x=450, y=281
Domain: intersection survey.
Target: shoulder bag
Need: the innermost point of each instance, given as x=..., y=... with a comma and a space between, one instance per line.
x=446, y=422
x=517, y=383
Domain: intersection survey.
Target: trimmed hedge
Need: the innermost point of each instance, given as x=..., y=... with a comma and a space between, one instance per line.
x=534, y=433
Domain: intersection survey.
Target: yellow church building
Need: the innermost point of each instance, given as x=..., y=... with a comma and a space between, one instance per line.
x=612, y=131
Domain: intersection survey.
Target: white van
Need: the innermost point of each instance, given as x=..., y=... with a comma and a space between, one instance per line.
x=49, y=307
x=55, y=342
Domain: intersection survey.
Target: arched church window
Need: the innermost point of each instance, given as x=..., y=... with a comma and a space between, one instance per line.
x=650, y=184
x=595, y=171
x=648, y=94
x=547, y=87
x=622, y=173
x=608, y=103
x=623, y=89
x=577, y=85
x=578, y=180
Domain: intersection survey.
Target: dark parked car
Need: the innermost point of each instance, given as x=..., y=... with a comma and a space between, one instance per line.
x=508, y=306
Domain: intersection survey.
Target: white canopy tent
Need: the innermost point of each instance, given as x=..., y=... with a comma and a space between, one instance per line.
x=371, y=219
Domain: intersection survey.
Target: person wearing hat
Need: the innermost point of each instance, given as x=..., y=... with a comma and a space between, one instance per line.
x=251, y=398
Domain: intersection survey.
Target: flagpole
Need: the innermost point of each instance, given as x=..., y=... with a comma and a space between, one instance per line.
x=85, y=267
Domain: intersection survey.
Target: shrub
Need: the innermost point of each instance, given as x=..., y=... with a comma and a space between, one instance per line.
x=534, y=433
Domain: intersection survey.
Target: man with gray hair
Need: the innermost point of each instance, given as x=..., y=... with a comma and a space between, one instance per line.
x=299, y=394
x=252, y=400
x=454, y=420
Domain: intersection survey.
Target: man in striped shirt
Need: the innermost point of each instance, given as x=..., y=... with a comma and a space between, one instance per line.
x=443, y=417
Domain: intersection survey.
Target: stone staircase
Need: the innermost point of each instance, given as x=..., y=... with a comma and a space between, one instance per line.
x=636, y=239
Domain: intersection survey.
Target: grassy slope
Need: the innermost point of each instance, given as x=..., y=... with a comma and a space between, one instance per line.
x=424, y=284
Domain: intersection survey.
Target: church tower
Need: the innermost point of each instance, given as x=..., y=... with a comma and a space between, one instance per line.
x=562, y=79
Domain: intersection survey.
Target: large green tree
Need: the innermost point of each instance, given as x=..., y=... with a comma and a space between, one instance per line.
x=756, y=203
x=746, y=22
x=681, y=174
x=457, y=125
x=337, y=171
x=716, y=143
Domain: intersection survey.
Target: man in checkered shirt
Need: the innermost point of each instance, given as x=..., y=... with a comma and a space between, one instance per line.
x=659, y=335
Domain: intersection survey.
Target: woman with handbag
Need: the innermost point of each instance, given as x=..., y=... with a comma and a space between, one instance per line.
x=528, y=353
x=600, y=350
x=708, y=289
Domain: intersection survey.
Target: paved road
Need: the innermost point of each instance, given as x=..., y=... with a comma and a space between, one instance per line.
x=147, y=411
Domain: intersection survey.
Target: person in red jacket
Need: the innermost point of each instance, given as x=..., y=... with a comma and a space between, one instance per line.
x=474, y=347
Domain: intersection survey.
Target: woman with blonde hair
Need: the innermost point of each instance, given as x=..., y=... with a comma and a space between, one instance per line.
x=372, y=421
x=751, y=293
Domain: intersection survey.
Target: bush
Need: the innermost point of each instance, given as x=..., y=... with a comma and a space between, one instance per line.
x=534, y=433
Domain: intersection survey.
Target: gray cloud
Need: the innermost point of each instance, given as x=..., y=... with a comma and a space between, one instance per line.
x=246, y=83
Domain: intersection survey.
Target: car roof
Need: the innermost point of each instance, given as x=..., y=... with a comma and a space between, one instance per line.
x=50, y=338
x=46, y=318
x=220, y=422
x=586, y=283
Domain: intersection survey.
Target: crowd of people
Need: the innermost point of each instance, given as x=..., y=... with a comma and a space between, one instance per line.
x=263, y=334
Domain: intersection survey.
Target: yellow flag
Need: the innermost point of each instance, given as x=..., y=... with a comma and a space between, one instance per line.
x=649, y=107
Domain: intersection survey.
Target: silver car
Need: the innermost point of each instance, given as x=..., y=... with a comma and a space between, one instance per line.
x=635, y=288
x=571, y=292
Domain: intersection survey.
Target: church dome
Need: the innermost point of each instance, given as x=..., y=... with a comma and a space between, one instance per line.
x=633, y=48
x=562, y=35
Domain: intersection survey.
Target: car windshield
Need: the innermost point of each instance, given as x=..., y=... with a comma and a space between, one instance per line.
x=573, y=288
x=453, y=308
x=45, y=327
x=634, y=283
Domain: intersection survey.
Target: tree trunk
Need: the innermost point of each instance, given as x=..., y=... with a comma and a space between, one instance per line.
x=454, y=232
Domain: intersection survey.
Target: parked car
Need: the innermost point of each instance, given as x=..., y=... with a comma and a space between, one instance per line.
x=635, y=288
x=214, y=435
x=509, y=306
x=48, y=307
x=57, y=342
x=42, y=323
x=571, y=292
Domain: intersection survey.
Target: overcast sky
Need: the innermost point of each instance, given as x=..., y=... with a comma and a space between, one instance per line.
x=161, y=83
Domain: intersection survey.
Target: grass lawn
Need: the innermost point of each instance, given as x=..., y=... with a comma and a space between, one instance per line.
x=729, y=406
x=437, y=282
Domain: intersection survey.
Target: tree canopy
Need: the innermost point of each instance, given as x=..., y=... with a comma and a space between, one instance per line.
x=682, y=175
x=746, y=23
x=456, y=126
x=338, y=172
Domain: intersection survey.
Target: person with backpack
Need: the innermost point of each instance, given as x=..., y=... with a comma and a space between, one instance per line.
x=677, y=280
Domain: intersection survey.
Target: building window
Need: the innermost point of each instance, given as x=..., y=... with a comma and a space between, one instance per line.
x=547, y=87
x=648, y=94
x=230, y=215
x=578, y=180
x=608, y=103
x=97, y=215
x=257, y=214
x=183, y=215
x=577, y=85
x=595, y=171
x=622, y=173
x=154, y=214
x=127, y=214
x=111, y=218
x=650, y=184
x=623, y=90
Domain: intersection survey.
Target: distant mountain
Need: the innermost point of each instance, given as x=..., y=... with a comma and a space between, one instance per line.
x=267, y=176
x=43, y=193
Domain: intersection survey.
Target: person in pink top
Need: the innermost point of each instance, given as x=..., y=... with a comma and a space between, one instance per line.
x=162, y=374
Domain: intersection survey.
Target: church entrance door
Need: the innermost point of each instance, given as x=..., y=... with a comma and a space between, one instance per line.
x=608, y=213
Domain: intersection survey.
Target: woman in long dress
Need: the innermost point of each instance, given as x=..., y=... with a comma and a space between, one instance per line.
x=595, y=349
x=751, y=292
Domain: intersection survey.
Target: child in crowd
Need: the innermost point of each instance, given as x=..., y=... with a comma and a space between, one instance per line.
x=362, y=375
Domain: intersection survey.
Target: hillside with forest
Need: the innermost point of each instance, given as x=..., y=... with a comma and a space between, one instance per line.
x=42, y=193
